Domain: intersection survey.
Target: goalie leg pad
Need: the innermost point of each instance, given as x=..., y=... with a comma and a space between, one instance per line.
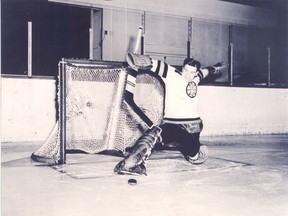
x=135, y=162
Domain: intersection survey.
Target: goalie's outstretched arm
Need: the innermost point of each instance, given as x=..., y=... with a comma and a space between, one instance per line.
x=144, y=62
x=210, y=71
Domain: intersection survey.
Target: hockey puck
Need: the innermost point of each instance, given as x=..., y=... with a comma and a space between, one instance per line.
x=132, y=181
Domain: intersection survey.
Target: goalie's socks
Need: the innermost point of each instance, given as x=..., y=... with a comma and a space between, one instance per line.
x=41, y=159
x=136, y=170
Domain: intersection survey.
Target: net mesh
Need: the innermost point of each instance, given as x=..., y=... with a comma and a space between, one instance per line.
x=97, y=116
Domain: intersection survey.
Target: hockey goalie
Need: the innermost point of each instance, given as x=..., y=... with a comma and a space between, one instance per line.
x=181, y=121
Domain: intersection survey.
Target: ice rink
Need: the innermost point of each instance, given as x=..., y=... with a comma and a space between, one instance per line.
x=244, y=176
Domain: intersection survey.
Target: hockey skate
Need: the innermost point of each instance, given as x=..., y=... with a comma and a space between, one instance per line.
x=122, y=168
x=134, y=163
x=200, y=157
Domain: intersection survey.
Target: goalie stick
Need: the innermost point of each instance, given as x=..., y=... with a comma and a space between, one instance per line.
x=130, y=86
x=134, y=163
x=138, y=39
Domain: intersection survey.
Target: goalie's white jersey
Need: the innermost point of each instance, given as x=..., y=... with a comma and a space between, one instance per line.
x=181, y=99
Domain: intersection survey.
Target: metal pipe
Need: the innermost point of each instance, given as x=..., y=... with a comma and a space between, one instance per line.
x=189, y=38
x=90, y=43
x=231, y=52
x=231, y=64
x=269, y=67
x=29, y=49
x=143, y=34
x=91, y=35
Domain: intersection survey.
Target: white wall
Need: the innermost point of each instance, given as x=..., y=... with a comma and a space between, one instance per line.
x=28, y=110
x=238, y=110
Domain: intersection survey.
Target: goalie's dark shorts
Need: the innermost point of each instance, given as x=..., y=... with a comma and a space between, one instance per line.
x=184, y=136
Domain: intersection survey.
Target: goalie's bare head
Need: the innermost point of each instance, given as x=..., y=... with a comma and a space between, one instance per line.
x=190, y=68
x=192, y=62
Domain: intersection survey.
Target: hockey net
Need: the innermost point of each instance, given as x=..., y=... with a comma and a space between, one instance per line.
x=93, y=115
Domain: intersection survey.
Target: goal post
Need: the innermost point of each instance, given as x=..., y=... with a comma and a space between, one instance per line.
x=93, y=115
x=62, y=112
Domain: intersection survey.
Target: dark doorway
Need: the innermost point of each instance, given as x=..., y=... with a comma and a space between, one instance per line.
x=58, y=31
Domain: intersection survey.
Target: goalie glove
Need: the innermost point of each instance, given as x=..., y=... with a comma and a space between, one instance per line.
x=215, y=69
x=136, y=61
x=135, y=162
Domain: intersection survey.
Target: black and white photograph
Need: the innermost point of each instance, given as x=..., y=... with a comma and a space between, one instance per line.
x=144, y=107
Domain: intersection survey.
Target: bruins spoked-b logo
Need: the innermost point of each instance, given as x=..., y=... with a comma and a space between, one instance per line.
x=191, y=89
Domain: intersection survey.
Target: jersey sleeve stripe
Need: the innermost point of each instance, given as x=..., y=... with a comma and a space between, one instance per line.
x=158, y=67
x=165, y=70
x=200, y=75
x=131, y=82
